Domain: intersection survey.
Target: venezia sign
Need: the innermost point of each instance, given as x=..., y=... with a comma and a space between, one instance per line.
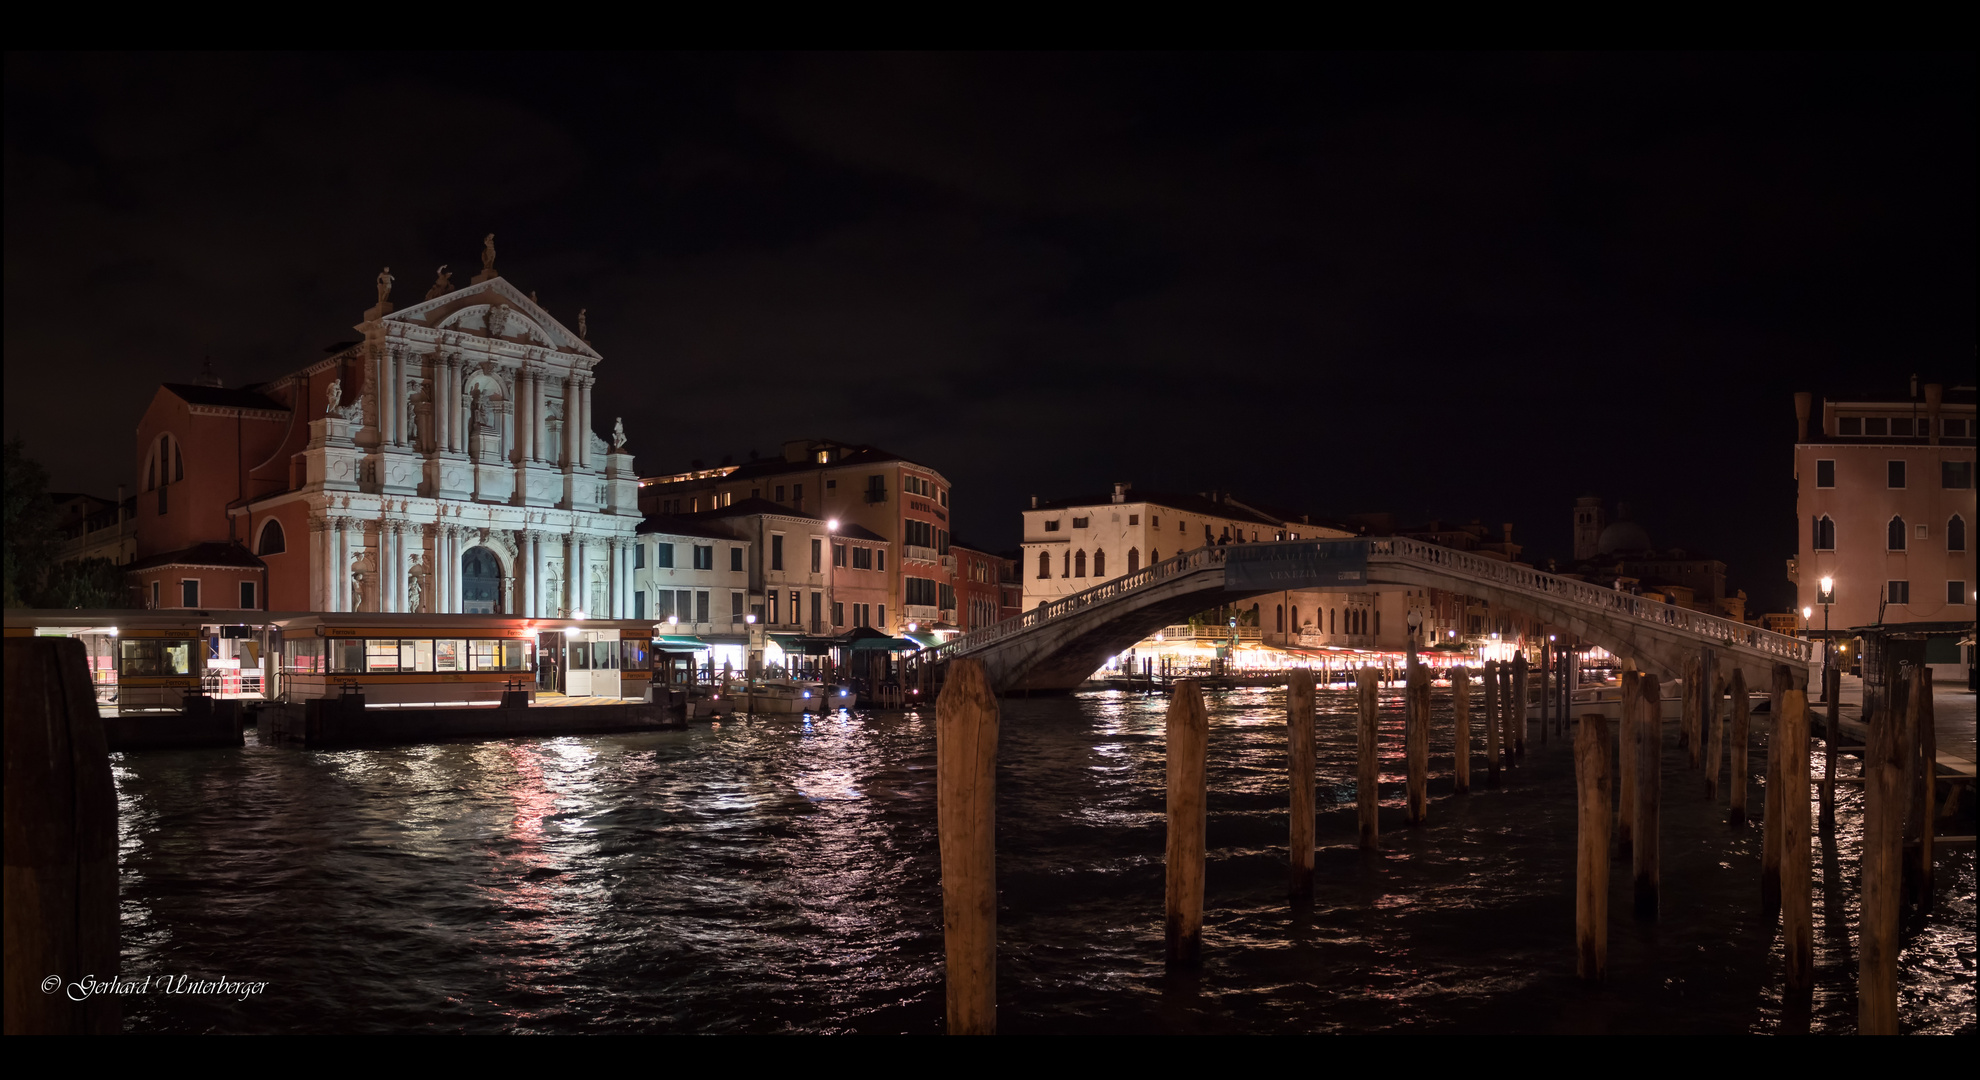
x=1256, y=568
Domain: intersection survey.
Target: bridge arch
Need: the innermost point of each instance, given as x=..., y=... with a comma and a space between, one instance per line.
x=1060, y=643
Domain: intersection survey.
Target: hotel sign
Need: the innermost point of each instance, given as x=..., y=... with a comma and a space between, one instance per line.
x=1315, y=564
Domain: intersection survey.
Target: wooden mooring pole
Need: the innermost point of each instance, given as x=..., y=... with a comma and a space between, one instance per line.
x=1688, y=709
x=1774, y=805
x=1518, y=703
x=1648, y=723
x=1546, y=661
x=1878, y=873
x=1461, y=714
x=1188, y=742
x=1797, y=904
x=1714, y=736
x=1831, y=689
x=966, y=818
x=1921, y=778
x=1299, y=754
x=1416, y=743
x=1632, y=689
x=1367, y=774
x=1703, y=741
x=1492, y=723
x=1742, y=737
x=1591, y=894
x=1508, y=736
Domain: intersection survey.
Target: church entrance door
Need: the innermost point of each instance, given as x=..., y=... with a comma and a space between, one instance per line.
x=481, y=582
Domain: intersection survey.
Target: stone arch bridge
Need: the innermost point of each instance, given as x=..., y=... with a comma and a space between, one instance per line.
x=1059, y=644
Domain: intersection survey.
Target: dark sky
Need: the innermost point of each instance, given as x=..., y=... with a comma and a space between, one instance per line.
x=1451, y=286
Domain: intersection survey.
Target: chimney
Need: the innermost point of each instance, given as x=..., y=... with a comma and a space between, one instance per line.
x=1508, y=527
x=1828, y=419
x=1935, y=394
x=1801, y=402
x=1120, y=492
x=1034, y=502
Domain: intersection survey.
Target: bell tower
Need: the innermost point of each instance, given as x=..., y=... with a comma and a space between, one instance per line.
x=1589, y=521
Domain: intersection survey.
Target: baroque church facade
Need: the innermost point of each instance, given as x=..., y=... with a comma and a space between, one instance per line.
x=445, y=462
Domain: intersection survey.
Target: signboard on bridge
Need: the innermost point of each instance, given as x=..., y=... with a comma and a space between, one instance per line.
x=1302, y=564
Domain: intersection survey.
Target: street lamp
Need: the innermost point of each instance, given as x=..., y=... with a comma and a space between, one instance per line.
x=1825, y=597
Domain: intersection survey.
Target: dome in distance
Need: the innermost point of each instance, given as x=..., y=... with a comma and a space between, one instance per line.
x=1624, y=536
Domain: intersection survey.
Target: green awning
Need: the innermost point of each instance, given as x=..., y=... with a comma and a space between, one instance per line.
x=884, y=644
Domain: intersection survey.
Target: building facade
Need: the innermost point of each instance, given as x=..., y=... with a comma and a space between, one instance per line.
x=1074, y=544
x=1886, y=505
x=444, y=462
x=900, y=507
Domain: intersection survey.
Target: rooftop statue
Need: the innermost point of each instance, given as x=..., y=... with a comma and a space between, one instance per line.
x=336, y=396
x=443, y=283
x=582, y=332
x=618, y=433
x=384, y=284
x=488, y=254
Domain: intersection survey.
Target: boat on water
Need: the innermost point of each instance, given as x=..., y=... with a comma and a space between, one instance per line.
x=782, y=697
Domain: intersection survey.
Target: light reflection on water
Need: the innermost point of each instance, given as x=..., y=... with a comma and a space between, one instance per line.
x=776, y=874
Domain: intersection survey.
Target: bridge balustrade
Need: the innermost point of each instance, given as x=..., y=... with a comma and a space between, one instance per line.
x=1414, y=552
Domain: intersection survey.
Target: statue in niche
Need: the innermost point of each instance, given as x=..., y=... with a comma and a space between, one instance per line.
x=416, y=584
x=477, y=410
x=384, y=284
x=412, y=420
x=498, y=320
x=618, y=433
x=582, y=332
x=363, y=595
x=443, y=283
x=488, y=254
x=335, y=395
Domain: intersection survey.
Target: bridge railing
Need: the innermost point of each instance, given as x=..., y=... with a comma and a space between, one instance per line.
x=1189, y=562
x=1593, y=596
x=1419, y=553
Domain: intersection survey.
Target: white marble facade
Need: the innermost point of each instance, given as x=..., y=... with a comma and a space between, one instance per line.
x=466, y=477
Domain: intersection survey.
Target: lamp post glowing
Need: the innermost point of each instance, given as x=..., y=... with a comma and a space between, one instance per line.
x=1826, y=597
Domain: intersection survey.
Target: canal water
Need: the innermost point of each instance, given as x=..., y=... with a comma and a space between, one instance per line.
x=781, y=875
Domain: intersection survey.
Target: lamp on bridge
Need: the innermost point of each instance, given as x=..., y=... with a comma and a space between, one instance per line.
x=1825, y=597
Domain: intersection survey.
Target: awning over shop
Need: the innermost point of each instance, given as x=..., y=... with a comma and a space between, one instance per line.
x=922, y=638
x=678, y=643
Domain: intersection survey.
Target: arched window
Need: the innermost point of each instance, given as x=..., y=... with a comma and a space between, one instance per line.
x=1895, y=539
x=1100, y=563
x=1079, y=563
x=1825, y=533
x=1282, y=618
x=1134, y=559
x=1154, y=556
x=1044, y=564
x=1330, y=620
x=178, y=464
x=1956, y=533
x=1378, y=622
x=272, y=540
x=1065, y=566
x=1295, y=618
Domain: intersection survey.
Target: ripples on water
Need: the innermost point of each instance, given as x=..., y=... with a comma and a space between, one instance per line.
x=774, y=874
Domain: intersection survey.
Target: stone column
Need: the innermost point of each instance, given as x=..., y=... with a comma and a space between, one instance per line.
x=443, y=421
x=538, y=402
x=395, y=386
x=584, y=426
x=571, y=410
x=614, y=550
x=533, y=550
x=340, y=565
x=319, y=563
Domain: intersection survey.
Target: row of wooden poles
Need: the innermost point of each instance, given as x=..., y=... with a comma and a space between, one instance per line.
x=1898, y=767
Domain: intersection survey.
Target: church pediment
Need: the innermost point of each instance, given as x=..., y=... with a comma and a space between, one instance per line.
x=493, y=309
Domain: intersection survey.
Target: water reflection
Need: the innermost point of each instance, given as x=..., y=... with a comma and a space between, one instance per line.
x=780, y=874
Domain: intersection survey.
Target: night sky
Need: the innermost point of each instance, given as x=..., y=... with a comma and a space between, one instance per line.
x=1443, y=286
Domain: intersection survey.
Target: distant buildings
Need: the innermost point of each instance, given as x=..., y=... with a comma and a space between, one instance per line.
x=1619, y=553
x=886, y=519
x=1886, y=507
